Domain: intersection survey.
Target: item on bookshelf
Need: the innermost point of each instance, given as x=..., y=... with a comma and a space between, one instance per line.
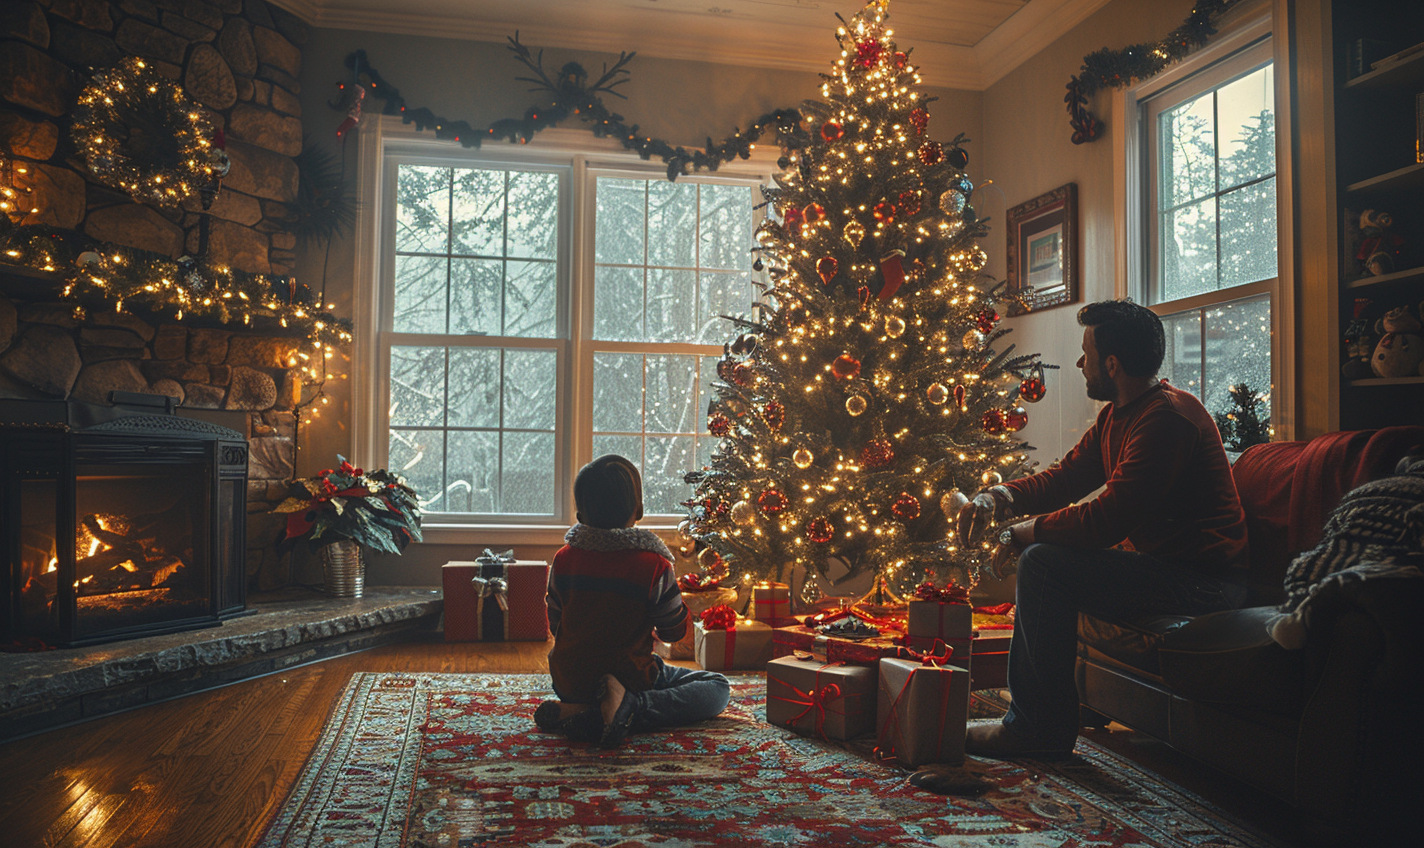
x=1400, y=350
x=1379, y=244
x=1359, y=342
x=1395, y=57
x=1363, y=54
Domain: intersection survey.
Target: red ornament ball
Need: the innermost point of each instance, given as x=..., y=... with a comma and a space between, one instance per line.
x=742, y=373
x=791, y=217
x=1016, y=419
x=846, y=367
x=819, y=530
x=994, y=422
x=772, y=502
x=885, y=212
x=921, y=119
x=931, y=153
x=986, y=319
x=877, y=453
x=826, y=266
x=901, y=60
x=774, y=414
x=959, y=394
x=719, y=425
x=813, y=213
x=906, y=507
x=1032, y=389
x=832, y=131
x=910, y=202
x=868, y=52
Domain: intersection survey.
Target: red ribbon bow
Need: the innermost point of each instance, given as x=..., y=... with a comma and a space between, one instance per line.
x=938, y=654
x=720, y=617
x=952, y=593
x=816, y=700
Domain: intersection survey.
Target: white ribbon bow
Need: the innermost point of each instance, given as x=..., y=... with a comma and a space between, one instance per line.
x=497, y=586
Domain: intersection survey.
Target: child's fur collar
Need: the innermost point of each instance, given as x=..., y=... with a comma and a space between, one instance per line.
x=620, y=539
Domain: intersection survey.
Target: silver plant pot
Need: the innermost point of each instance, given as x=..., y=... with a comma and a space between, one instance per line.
x=344, y=569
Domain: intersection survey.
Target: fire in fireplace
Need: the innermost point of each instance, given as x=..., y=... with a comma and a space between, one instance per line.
x=123, y=528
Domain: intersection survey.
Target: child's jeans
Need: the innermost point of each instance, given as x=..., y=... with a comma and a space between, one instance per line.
x=681, y=696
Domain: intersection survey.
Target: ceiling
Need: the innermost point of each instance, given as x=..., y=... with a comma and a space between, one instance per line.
x=966, y=44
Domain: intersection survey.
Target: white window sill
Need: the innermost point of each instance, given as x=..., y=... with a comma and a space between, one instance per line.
x=506, y=535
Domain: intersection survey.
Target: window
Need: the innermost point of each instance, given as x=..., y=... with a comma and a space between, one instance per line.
x=536, y=314
x=1211, y=230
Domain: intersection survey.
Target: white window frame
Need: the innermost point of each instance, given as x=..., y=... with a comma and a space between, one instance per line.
x=578, y=151
x=1135, y=216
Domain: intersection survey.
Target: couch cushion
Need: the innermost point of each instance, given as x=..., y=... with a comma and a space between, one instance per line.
x=1230, y=658
x=1133, y=642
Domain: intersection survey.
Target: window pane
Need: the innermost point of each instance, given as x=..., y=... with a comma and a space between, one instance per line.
x=533, y=214
x=1189, y=250
x=1187, y=152
x=1238, y=350
x=726, y=227
x=527, y=474
x=617, y=392
x=671, y=394
x=619, y=221
x=671, y=305
x=422, y=209
x=628, y=447
x=721, y=294
x=420, y=456
x=417, y=386
x=1248, y=234
x=420, y=294
x=1245, y=110
x=478, y=212
x=706, y=376
x=618, y=304
x=672, y=223
x=530, y=378
x=529, y=300
x=472, y=472
x=668, y=459
x=706, y=445
x=1182, y=364
x=474, y=387
x=474, y=297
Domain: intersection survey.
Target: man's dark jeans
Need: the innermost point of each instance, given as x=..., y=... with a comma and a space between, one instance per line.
x=1055, y=583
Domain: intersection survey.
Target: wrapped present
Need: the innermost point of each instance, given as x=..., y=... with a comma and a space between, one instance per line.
x=496, y=598
x=922, y=709
x=788, y=640
x=744, y=645
x=989, y=658
x=771, y=602
x=829, y=700
x=697, y=603
x=951, y=623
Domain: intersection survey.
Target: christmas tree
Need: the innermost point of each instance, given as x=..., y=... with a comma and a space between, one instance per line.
x=1247, y=421
x=874, y=389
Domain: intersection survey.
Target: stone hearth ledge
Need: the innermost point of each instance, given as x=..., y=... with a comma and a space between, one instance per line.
x=282, y=622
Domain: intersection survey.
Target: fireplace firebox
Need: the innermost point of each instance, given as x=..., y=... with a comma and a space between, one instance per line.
x=126, y=527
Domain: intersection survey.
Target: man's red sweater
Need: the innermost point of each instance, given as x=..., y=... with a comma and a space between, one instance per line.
x=1169, y=490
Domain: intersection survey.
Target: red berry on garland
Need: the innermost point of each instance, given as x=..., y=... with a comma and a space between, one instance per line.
x=921, y=119
x=819, y=530
x=994, y=422
x=877, y=453
x=832, y=131
x=813, y=213
x=931, y=153
x=826, y=266
x=774, y=414
x=910, y=202
x=906, y=507
x=986, y=319
x=1032, y=389
x=885, y=212
x=719, y=425
x=958, y=158
x=868, y=52
x=1016, y=419
x=846, y=367
x=772, y=502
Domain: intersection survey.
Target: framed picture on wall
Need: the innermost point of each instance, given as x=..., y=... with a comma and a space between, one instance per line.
x=1042, y=256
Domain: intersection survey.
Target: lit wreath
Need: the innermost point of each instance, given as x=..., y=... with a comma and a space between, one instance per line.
x=141, y=134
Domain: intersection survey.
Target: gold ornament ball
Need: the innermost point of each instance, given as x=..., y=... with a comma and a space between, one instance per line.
x=949, y=505
x=856, y=404
x=854, y=232
x=991, y=478
x=937, y=394
x=743, y=513
x=972, y=340
x=802, y=458
x=894, y=326
x=708, y=558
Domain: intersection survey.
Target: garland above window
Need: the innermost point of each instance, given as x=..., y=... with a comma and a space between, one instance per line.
x=572, y=96
x=1107, y=68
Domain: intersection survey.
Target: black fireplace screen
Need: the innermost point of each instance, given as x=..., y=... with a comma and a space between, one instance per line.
x=127, y=528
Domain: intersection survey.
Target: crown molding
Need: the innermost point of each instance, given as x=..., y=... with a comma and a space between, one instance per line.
x=1027, y=32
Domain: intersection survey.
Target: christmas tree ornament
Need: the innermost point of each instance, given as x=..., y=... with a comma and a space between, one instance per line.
x=722, y=509
x=708, y=559
x=937, y=394
x=802, y=458
x=746, y=344
x=910, y=202
x=820, y=530
x=931, y=153
x=950, y=502
x=684, y=530
x=724, y=370
x=757, y=264
x=921, y=120
x=894, y=326
x=968, y=261
x=877, y=453
x=986, y=318
x=901, y=60
x=1016, y=419
x=959, y=394
x=958, y=158
x=813, y=213
x=1032, y=389
x=719, y=425
x=884, y=212
x=868, y=52
x=991, y=478
x=906, y=507
x=743, y=513
x=811, y=593
x=856, y=405
x=772, y=502
x=952, y=203
x=864, y=294
x=993, y=422
x=892, y=270
x=846, y=367
x=853, y=232
x=774, y=414
x=742, y=373
x=832, y=131
x=972, y=341
x=791, y=217
x=826, y=266
x=88, y=260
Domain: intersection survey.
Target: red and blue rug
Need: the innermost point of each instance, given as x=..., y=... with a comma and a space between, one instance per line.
x=454, y=760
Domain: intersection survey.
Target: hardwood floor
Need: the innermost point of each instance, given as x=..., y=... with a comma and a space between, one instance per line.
x=210, y=769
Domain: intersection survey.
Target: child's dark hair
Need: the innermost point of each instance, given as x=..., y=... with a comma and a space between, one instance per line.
x=1129, y=331
x=608, y=492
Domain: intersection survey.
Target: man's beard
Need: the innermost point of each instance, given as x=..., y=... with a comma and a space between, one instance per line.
x=1100, y=388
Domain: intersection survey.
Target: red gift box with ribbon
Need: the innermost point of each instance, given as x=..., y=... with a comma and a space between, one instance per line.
x=746, y=644
x=771, y=602
x=829, y=700
x=923, y=707
x=697, y=603
x=788, y=640
x=496, y=600
x=951, y=623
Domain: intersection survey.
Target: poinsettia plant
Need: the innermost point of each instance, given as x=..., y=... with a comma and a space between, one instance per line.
x=374, y=509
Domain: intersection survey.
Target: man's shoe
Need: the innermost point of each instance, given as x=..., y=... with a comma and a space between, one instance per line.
x=546, y=717
x=997, y=742
x=585, y=726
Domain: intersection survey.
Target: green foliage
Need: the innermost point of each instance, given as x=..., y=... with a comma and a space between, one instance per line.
x=325, y=206
x=1242, y=424
x=375, y=509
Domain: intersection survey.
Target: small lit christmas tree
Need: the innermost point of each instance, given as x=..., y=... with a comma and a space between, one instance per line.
x=853, y=414
x=1243, y=425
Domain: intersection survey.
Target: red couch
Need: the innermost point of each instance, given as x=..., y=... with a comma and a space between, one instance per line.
x=1331, y=728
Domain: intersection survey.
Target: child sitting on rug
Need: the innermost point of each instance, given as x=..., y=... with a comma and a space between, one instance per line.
x=610, y=587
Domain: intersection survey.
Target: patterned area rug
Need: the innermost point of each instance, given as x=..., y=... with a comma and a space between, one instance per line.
x=454, y=760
